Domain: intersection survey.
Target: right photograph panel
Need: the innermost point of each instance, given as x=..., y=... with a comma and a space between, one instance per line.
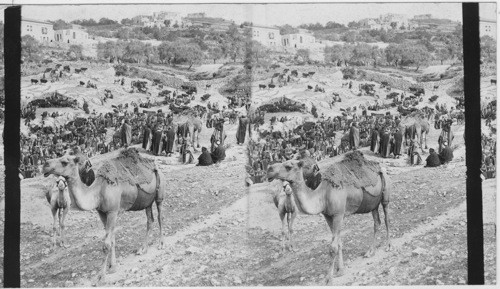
x=356, y=168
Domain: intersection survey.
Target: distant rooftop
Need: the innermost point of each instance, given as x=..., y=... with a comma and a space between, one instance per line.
x=481, y=19
x=35, y=20
x=262, y=26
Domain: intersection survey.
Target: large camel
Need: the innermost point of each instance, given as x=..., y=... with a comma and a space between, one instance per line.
x=335, y=203
x=419, y=129
x=108, y=200
x=191, y=127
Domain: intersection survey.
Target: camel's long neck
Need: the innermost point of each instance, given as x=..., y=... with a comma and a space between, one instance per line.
x=85, y=198
x=310, y=202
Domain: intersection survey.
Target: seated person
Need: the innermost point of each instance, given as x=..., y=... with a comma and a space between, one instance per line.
x=433, y=159
x=219, y=153
x=446, y=155
x=205, y=159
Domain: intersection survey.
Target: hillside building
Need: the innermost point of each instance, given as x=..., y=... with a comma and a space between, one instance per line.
x=40, y=30
x=488, y=27
x=266, y=35
x=74, y=35
x=302, y=39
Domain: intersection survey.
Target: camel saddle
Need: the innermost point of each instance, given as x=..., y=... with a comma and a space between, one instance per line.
x=353, y=170
x=129, y=167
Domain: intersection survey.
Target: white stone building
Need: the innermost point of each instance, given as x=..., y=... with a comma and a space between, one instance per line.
x=266, y=35
x=40, y=30
x=302, y=39
x=488, y=27
x=74, y=35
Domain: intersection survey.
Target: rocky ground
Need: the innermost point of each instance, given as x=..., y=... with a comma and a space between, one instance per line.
x=219, y=233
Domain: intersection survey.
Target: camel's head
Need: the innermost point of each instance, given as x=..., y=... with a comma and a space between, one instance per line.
x=65, y=166
x=61, y=183
x=290, y=171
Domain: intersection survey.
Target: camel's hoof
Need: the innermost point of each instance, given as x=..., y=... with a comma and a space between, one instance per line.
x=340, y=272
x=112, y=269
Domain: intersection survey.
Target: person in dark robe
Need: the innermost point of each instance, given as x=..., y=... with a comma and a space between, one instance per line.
x=385, y=146
x=398, y=142
x=126, y=133
x=354, y=136
x=445, y=136
x=446, y=155
x=205, y=159
x=242, y=130
x=432, y=160
x=146, y=137
x=219, y=153
x=375, y=139
x=170, y=140
x=157, y=141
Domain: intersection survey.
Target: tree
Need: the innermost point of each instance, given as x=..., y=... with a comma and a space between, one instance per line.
x=333, y=25
x=151, y=53
x=166, y=52
x=255, y=52
x=111, y=50
x=350, y=36
x=353, y=24
x=394, y=25
x=288, y=29
x=215, y=53
x=235, y=43
x=443, y=54
x=106, y=21
x=339, y=53
x=30, y=48
x=304, y=54
x=127, y=21
x=488, y=49
x=75, y=52
x=361, y=53
x=192, y=54
x=135, y=51
x=61, y=24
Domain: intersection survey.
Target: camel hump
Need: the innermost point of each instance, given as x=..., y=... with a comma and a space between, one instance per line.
x=129, y=167
x=353, y=170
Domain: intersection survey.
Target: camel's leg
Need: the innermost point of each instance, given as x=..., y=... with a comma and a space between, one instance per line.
x=62, y=218
x=112, y=261
x=290, y=229
x=335, y=224
x=110, y=219
x=283, y=230
x=160, y=220
x=376, y=225
x=387, y=222
x=149, y=215
x=54, y=227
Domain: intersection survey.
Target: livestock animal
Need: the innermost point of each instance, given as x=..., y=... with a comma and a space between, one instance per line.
x=309, y=87
x=262, y=86
x=43, y=80
x=82, y=83
x=335, y=203
x=311, y=73
x=34, y=81
x=77, y=70
x=276, y=74
x=435, y=87
x=271, y=86
x=110, y=199
x=295, y=73
x=83, y=69
x=287, y=209
x=208, y=86
x=59, y=200
x=493, y=81
x=305, y=75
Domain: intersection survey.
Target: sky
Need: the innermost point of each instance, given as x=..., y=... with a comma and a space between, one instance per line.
x=264, y=14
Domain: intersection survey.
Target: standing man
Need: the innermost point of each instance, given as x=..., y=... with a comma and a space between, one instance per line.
x=242, y=130
x=126, y=133
x=170, y=140
x=354, y=136
x=398, y=142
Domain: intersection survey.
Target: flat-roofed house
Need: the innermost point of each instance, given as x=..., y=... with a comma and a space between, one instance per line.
x=302, y=39
x=488, y=27
x=40, y=30
x=266, y=35
x=74, y=35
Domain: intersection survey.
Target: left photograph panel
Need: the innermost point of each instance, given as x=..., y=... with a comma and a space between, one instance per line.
x=133, y=125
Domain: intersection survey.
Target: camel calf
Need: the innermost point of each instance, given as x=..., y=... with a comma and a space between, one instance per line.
x=59, y=203
x=285, y=203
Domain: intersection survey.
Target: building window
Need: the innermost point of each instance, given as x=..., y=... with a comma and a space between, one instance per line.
x=271, y=35
x=74, y=35
x=44, y=30
x=300, y=39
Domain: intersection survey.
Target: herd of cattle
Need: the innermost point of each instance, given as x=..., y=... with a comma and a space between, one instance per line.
x=56, y=72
